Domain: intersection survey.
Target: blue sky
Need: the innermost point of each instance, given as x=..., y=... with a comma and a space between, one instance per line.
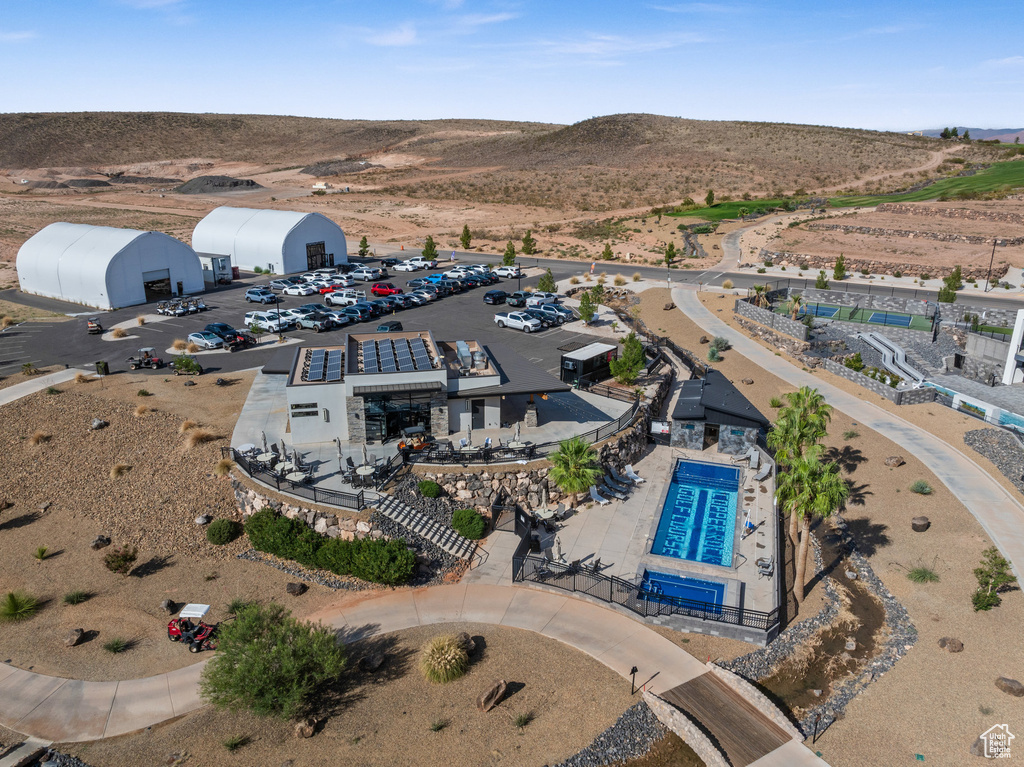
x=884, y=65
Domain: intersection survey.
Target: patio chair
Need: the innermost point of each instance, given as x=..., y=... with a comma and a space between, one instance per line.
x=597, y=498
x=633, y=475
x=619, y=486
x=625, y=482
x=463, y=443
x=766, y=566
x=755, y=458
x=487, y=444
x=560, y=511
x=765, y=472
x=350, y=463
x=608, y=489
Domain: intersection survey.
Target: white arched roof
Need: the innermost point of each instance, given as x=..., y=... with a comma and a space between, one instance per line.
x=100, y=265
x=255, y=237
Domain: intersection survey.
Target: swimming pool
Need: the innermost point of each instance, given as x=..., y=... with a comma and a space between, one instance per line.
x=656, y=586
x=698, y=520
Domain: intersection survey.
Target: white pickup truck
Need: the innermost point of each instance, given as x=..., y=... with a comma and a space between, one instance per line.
x=345, y=297
x=517, y=321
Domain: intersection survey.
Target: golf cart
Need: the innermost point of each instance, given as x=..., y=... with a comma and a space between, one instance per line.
x=146, y=359
x=186, y=365
x=94, y=326
x=190, y=629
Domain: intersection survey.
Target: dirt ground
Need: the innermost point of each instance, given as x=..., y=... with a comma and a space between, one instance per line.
x=385, y=718
x=932, y=703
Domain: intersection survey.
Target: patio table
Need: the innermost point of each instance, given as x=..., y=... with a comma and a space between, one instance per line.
x=296, y=476
x=266, y=457
x=363, y=473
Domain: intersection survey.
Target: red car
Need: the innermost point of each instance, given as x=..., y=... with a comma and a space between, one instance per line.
x=325, y=289
x=384, y=289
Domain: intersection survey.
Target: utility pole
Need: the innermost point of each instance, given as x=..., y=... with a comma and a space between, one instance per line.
x=988, y=279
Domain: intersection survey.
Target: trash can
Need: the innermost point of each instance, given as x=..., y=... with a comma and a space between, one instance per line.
x=102, y=368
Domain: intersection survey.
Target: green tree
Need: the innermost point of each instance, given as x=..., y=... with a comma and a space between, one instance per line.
x=967, y=135
x=827, y=492
x=760, y=295
x=822, y=282
x=945, y=133
x=465, y=238
x=509, y=259
x=951, y=284
x=606, y=254
x=954, y=132
x=429, y=248
x=709, y=200
x=795, y=305
x=546, y=283
x=839, y=271
x=993, y=575
x=670, y=253
x=574, y=467
x=629, y=364
x=270, y=663
x=586, y=309
x=364, y=246
x=597, y=295
x=529, y=244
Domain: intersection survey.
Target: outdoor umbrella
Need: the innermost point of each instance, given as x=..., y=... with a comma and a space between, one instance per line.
x=469, y=436
x=263, y=434
x=284, y=450
x=557, y=550
x=341, y=458
x=515, y=437
x=366, y=459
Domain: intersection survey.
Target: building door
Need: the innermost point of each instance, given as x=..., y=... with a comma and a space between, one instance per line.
x=316, y=255
x=478, y=413
x=710, y=434
x=157, y=284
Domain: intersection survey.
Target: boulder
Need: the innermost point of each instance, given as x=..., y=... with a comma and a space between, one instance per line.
x=204, y=519
x=894, y=461
x=1010, y=686
x=333, y=532
x=320, y=526
x=920, y=524
x=296, y=589
x=467, y=642
x=363, y=527
x=704, y=340
x=748, y=381
x=168, y=606
x=73, y=637
x=190, y=383
x=98, y=423
x=492, y=696
x=100, y=542
x=955, y=645
x=851, y=644
x=373, y=661
x=305, y=728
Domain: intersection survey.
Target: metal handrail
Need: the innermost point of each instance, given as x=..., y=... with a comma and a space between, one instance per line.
x=354, y=501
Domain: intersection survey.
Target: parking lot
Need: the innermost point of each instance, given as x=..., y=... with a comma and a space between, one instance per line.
x=457, y=317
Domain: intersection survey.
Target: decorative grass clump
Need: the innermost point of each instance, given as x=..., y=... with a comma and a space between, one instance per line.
x=637, y=276
x=851, y=434
x=53, y=390
x=199, y=437
x=186, y=426
x=119, y=470
x=119, y=333
x=117, y=645
x=141, y=320
x=429, y=488
x=775, y=402
x=143, y=393
x=921, y=488
x=6, y=322
x=82, y=378
x=41, y=553
x=469, y=524
x=574, y=280
x=38, y=438
x=222, y=531
x=192, y=348
x=443, y=660
x=121, y=559
x=236, y=605
x=923, y=575
x=223, y=467
x=713, y=355
x=76, y=597
x=18, y=606
x=439, y=724
x=619, y=280
x=142, y=410
x=235, y=742
x=521, y=720
x=179, y=345
x=727, y=284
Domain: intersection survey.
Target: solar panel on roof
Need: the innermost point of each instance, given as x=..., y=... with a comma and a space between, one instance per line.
x=389, y=367
x=417, y=345
x=405, y=365
x=334, y=375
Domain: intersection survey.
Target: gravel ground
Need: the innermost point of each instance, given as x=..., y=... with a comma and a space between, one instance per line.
x=1002, y=449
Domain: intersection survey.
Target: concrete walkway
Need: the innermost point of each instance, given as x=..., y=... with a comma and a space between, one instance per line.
x=68, y=710
x=999, y=512
x=38, y=383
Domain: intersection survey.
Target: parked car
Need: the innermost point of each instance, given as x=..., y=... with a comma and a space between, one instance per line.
x=472, y=280
x=326, y=271
x=304, y=289
x=389, y=262
x=339, y=317
x=345, y=297
x=426, y=294
x=383, y=305
x=359, y=313
x=391, y=326
x=312, y=307
x=517, y=321
x=315, y=321
x=270, y=321
x=519, y=298
x=342, y=281
x=206, y=340
x=222, y=330
x=456, y=272
x=384, y=289
x=557, y=312
x=375, y=309
x=293, y=315
x=309, y=276
x=544, y=320
x=419, y=282
x=260, y=295
x=540, y=298
x=509, y=271
x=389, y=303
x=284, y=282
x=427, y=263
x=403, y=301
x=417, y=298
x=367, y=274
x=407, y=266
x=495, y=297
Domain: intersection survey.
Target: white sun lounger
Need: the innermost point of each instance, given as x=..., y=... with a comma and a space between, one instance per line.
x=597, y=497
x=765, y=472
x=633, y=475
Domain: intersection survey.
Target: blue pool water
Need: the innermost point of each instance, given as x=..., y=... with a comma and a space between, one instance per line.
x=698, y=520
x=657, y=585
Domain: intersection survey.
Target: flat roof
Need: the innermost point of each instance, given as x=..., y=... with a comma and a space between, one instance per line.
x=591, y=350
x=517, y=375
x=386, y=353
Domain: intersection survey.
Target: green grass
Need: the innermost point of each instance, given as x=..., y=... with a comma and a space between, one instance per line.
x=993, y=329
x=521, y=720
x=439, y=724
x=236, y=605
x=117, y=645
x=730, y=209
x=17, y=606
x=76, y=597
x=923, y=575
x=235, y=742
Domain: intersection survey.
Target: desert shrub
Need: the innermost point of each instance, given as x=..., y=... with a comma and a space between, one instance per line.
x=40, y=553
x=521, y=720
x=142, y=410
x=854, y=362
x=637, y=277
x=186, y=425
x=713, y=355
x=921, y=488
x=443, y=659
x=223, y=467
x=439, y=724
x=222, y=531
x=270, y=663
x=28, y=369
x=429, y=489
x=469, y=524
x=179, y=345
x=761, y=270
x=257, y=270
x=6, y=322
x=775, y=402
x=925, y=276
x=850, y=434
x=140, y=320
x=720, y=343
x=121, y=559
x=897, y=273
x=53, y=390
x=192, y=348
x=574, y=280
x=993, y=577
x=143, y=393
x=619, y=280
x=388, y=562
x=82, y=378
x=923, y=575
x=199, y=437
x=235, y=742
x=119, y=333
x=238, y=604
x=76, y=597
x=17, y=606
x=119, y=470
x=38, y=438
x=117, y=645
x=727, y=284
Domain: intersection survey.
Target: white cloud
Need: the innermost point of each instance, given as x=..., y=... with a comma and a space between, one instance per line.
x=697, y=8
x=145, y=5
x=402, y=36
x=604, y=46
x=475, y=20
x=16, y=37
x=1010, y=61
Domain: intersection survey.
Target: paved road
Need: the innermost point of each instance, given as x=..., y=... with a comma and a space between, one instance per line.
x=999, y=512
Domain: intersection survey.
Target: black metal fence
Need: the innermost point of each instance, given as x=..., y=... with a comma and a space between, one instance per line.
x=256, y=471
x=613, y=590
x=610, y=392
x=853, y=287
x=1003, y=337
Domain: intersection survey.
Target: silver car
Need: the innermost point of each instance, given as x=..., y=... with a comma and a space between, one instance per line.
x=206, y=340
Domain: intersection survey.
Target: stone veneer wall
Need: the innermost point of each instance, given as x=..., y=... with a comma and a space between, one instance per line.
x=687, y=434
x=778, y=322
x=896, y=396
x=354, y=415
x=736, y=444
x=687, y=730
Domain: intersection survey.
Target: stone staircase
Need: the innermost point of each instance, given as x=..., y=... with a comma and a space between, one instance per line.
x=435, y=532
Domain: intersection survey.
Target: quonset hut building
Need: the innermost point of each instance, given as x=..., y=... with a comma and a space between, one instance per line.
x=281, y=241
x=105, y=267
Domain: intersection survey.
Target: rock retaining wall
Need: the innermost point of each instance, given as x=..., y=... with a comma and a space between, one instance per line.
x=814, y=263
x=250, y=501
x=970, y=239
x=778, y=322
x=896, y=396
x=783, y=343
x=965, y=214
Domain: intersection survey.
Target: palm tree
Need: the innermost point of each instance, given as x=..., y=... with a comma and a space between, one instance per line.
x=575, y=467
x=760, y=295
x=795, y=486
x=828, y=493
x=794, y=305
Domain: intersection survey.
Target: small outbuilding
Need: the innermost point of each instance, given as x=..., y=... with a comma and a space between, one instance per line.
x=279, y=241
x=711, y=410
x=105, y=267
x=590, y=363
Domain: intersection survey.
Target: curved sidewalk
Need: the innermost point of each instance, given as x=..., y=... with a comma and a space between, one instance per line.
x=998, y=512
x=67, y=710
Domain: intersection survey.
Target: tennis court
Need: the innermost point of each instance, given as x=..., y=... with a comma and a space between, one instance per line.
x=862, y=316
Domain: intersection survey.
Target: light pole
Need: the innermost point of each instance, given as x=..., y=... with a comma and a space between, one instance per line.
x=632, y=684
x=277, y=310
